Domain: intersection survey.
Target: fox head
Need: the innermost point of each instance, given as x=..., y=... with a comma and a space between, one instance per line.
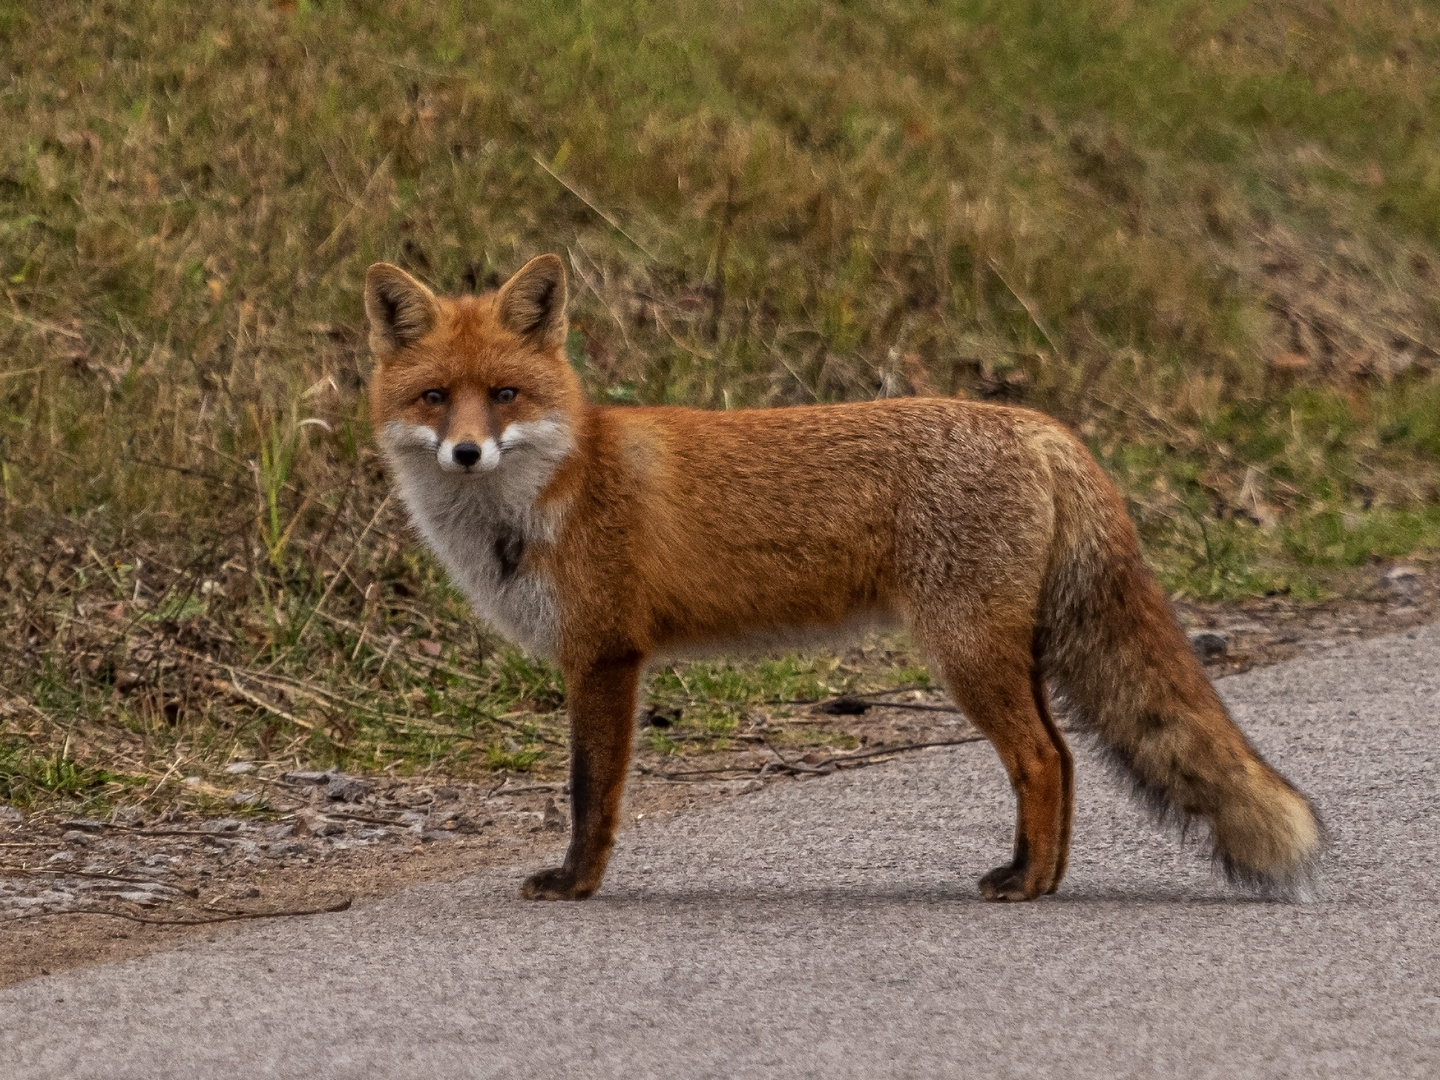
x=475, y=385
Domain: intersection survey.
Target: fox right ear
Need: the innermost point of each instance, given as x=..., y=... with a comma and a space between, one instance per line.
x=401, y=310
x=532, y=303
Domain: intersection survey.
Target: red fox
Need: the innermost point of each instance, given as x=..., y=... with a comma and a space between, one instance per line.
x=606, y=539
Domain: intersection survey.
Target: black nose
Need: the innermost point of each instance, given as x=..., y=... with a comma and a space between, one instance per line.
x=467, y=454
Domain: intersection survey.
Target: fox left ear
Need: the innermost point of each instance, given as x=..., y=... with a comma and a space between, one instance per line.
x=532, y=303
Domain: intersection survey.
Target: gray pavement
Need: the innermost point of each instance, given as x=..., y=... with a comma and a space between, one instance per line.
x=831, y=928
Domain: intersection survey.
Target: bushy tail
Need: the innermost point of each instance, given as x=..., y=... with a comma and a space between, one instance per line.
x=1109, y=640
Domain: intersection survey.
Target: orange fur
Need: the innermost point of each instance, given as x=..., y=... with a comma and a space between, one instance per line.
x=607, y=538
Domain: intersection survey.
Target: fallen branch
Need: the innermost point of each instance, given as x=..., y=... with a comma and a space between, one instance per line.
x=868, y=755
x=503, y=790
x=270, y=707
x=234, y=916
x=823, y=767
x=136, y=831
x=33, y=871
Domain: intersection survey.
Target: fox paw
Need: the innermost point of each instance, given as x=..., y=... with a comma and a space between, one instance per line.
x=557, y=883
x=1008, y=883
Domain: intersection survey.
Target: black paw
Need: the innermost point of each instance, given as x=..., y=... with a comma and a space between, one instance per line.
x=557, y=883
x=1008, y=883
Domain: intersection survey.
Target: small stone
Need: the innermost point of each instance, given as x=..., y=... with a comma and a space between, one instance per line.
x=1403, y=582
x=144, y=899
x=243, y=798
x=845, y=705
x=553, y=820
x=87, y=824
x=1209, y=644
x=222, y=825
x=311, y=823
x=75, y=836
x=309, y=777
x=342, y=788
x=10, y=816
x=240, y=768
x=742, y=787
x=286, y=847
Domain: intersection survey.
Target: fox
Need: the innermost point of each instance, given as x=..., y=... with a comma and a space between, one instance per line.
x=609, y=539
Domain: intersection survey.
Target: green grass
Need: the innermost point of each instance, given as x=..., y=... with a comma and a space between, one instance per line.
x=28, y=778
x=1204, y=235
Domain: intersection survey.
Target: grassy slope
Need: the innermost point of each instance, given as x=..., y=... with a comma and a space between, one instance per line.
x=1205, y=235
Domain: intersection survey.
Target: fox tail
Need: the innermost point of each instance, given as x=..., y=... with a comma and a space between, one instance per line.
x=1109, y=641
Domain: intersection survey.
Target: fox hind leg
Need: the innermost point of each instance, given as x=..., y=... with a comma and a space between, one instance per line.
x=1067, y=770
x=991, y=673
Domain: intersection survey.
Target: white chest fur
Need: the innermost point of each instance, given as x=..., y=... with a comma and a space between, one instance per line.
x=483, y=526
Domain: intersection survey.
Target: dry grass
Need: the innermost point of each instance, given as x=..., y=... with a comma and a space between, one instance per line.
x=1205, y=237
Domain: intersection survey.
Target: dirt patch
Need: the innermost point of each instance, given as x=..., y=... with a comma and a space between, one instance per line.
x=75, y=892
x=1267, y=630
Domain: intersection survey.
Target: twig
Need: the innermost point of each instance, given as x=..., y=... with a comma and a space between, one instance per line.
x=891, y=690
x=794, y=767
x=775, y=352
x=234, y=916
x=43, y=326
x=585, y=278
x=503, y=790
x=787, y=766
x=340, y=815
x=608, y=219
x=917, y=706
x=256, y=699
x=159, y=784
x=819, y=768
x=101, y=877
x=683, y=774
x=162, y=832
x=340, y=573
x=844, y=759
x=41, y=713
x=355, y=204
x=1029, y=305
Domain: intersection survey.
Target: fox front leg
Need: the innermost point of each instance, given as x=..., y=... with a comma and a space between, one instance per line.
x=602, y=717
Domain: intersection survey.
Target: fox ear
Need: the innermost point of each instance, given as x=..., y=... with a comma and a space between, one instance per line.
x=532, y=303
x=401, y=310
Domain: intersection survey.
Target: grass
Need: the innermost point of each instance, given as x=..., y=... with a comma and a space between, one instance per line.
x=1204, y=235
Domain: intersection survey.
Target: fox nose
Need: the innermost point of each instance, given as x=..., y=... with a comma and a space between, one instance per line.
x=467, y=454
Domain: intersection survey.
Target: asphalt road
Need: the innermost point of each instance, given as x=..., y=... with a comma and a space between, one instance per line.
x=831, y=928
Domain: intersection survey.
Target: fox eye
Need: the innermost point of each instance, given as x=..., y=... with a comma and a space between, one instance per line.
x=433, y=397
x=506, y=395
